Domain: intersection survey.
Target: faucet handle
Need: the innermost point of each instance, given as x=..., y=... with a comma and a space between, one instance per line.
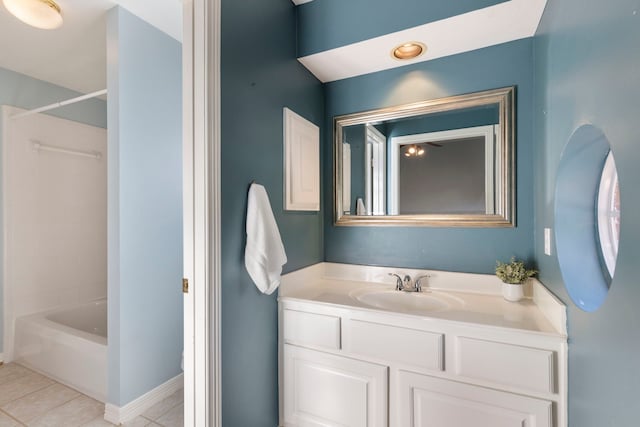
x=418, y=282
x=399, y=285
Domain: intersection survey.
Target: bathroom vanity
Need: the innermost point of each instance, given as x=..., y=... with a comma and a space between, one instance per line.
x=356, y=352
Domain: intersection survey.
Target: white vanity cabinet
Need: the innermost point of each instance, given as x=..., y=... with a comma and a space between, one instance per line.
x=348, y=366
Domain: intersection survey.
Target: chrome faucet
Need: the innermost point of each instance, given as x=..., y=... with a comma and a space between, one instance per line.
x=406, y=284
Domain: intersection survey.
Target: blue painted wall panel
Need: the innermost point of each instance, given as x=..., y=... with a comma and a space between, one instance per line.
x=145, y=207
x=587, y=70
x=22, y=91
x=455, y=249
x=328, y=24
x=260, y=76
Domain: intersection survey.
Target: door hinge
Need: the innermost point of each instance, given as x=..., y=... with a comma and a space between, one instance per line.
x=185, y=286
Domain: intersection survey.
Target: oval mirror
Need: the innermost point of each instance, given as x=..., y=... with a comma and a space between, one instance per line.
x=587, y=217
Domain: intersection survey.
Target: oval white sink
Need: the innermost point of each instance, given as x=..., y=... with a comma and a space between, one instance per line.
x=407, y=301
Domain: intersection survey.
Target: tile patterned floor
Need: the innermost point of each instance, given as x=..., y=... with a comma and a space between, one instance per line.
x=30, y=399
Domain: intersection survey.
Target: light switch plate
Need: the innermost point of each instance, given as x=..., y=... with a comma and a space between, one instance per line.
x=547, y=241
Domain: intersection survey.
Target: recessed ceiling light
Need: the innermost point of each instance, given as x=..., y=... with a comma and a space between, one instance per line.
x=44, y=14
x=409, y=50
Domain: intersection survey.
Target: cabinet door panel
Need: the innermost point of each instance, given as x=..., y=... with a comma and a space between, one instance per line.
x=424, y=401
x=327, y=390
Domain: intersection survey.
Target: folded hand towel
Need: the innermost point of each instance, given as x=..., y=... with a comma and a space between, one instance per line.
x=264, y=254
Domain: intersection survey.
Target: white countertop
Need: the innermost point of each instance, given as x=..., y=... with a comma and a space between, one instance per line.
x=472, y=298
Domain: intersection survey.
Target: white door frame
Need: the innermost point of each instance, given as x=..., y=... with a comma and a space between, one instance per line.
x=490, y=133
x=375, y=171
x=201, y=189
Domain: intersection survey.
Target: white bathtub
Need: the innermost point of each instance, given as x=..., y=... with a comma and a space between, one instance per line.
x=68, y=345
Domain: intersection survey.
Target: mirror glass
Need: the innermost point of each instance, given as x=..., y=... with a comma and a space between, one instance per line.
x=587, y=217
x=440, y=162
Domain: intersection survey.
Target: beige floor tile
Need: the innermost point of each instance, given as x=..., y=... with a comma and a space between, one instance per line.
x=7, y=421
x=137, y=422
x=98, y=422
x=77, y=412
x=164, y=406
x=173, y=418
x=36, y=404
x=22, y=386
x=12, y=372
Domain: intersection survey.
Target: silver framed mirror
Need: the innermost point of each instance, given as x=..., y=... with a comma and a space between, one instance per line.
x=446, y=162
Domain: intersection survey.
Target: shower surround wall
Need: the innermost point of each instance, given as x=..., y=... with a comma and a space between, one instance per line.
x=19, y=90
x=55, y=216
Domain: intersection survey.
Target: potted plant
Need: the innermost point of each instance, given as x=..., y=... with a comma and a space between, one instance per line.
x=513, y=276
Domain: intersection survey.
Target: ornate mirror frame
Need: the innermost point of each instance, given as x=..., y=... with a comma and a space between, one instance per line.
x=504, y=215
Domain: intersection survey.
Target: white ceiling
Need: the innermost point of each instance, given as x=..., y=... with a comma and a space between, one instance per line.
x=74, y=56
x=501, y=23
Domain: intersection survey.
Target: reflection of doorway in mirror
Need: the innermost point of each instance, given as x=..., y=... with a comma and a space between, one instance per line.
x=456, y=173
x=375, y=172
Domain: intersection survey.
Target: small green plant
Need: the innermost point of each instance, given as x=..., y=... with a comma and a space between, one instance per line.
x=514, y=272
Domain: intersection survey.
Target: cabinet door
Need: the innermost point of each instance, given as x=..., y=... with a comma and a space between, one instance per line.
x=423, y=401
x=321, y=389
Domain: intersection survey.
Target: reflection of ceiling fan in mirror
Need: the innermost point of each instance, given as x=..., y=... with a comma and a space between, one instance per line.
x=418, y=150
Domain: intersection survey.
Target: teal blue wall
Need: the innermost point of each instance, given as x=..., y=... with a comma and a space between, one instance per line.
x=587, y=70
x=328, y=24
x=260, y=76
x=144, y=77
x=455, y=249
x=22, y=91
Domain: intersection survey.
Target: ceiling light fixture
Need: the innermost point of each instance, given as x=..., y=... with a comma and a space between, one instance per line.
x=414, y=151
x=409, y=50
x=44, y=14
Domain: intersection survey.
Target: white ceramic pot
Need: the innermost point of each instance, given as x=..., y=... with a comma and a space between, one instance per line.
x=511, y=292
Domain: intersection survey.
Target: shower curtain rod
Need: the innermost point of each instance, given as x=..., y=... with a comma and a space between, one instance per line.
x=60, y=104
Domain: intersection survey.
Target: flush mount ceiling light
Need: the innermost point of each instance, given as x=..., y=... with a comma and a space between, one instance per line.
x=409, y=50
x=44, y=14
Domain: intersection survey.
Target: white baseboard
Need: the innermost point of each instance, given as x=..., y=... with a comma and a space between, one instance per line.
x=118, y=415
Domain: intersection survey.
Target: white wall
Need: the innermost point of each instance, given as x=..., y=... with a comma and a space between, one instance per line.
x=55, y=213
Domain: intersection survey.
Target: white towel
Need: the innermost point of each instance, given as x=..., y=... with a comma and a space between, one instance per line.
x=360, y=209
x=264, y=254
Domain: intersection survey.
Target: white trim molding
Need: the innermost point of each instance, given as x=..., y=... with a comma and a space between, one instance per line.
x=118, y=415
x=202, y=234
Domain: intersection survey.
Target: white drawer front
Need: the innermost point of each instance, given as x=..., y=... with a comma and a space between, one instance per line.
x=395, y=344
x=512, y=365
x=312, y=329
